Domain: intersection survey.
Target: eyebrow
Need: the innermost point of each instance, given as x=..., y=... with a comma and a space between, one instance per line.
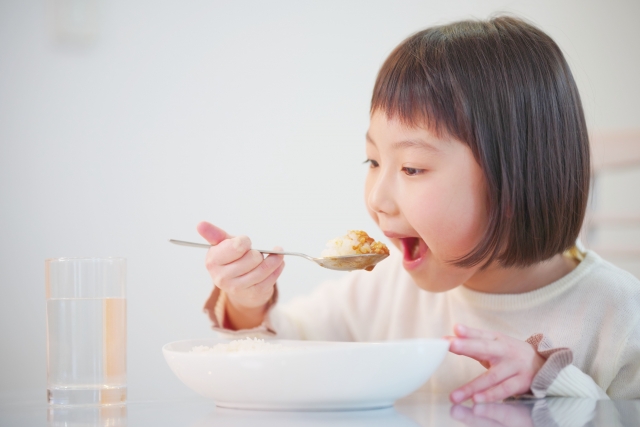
x=409, y=143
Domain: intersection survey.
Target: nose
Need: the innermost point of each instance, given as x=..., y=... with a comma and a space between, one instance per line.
x=380, y=194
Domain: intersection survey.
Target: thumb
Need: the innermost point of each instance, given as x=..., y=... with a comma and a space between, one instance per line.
x=211, y=233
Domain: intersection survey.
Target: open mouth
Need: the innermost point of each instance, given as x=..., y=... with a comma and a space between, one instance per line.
x=413, y=247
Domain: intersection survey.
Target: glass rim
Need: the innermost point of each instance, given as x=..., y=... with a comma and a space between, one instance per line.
x=63, y=259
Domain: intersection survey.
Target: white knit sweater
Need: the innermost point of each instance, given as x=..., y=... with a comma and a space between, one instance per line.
x=594, y=311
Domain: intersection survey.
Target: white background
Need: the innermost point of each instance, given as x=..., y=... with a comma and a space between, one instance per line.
x=125, y=126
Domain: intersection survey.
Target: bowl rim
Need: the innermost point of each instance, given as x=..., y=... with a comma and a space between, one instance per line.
x=315, y=347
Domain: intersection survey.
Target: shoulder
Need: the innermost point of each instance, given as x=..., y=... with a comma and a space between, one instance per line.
x=598, y=299
x=610, y=296
x=603, y=279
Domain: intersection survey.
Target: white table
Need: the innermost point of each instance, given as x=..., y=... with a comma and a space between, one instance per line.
x=419, y=409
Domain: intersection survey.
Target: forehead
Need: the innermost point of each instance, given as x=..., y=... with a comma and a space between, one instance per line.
x=391, y=133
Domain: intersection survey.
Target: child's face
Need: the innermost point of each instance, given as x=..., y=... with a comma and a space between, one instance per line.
x=428, y=195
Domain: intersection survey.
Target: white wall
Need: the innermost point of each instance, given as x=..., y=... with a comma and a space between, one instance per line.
x=249, y=114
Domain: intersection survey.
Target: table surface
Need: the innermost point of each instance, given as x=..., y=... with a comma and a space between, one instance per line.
x=419, y=409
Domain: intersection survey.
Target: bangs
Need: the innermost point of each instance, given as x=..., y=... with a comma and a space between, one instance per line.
x=417, y=87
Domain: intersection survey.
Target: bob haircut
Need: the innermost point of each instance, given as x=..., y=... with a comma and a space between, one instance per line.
x=502, y=87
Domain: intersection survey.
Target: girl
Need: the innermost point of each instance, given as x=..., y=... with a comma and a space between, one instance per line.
x=479, y=175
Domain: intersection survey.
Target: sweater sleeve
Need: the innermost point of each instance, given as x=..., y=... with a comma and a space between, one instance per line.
x=626, y=375
x=215, y=308
x=332, y=312
x=356, y=307
x=558, y=377
x=572, y=382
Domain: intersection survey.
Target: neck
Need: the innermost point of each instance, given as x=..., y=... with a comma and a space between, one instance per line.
x=496, y=279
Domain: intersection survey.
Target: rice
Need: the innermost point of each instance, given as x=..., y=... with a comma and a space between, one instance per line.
x=355, y=242
x=249, y=345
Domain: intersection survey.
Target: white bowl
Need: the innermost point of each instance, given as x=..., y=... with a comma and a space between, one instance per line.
x=313, y=375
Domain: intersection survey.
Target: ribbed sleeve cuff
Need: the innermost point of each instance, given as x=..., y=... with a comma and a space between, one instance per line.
x=215, y=309
x=556, y=360
x=572, y=382
x=558, y=377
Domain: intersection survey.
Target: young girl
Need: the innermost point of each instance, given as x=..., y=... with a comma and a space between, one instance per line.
x=479, y=175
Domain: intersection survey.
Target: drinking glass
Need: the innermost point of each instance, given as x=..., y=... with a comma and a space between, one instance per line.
x=86, y=331
x=83, y=416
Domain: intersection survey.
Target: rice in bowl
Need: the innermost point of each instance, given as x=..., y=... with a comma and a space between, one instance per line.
x=247, y=345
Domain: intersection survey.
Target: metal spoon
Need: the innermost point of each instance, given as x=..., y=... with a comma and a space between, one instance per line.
x=344, y=262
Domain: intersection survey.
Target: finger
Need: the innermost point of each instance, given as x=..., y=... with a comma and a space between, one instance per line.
x=517, y=384
x=211, y=233
x=491, y=378
x=250, y=269
x=261, y=271
x=463, y=331
x=262, y=292
x=479, y=349
x=229, y=250
x=231, y=273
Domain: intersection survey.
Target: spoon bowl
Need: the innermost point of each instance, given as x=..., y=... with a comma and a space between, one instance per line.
x=342, y=263
x=351, y=262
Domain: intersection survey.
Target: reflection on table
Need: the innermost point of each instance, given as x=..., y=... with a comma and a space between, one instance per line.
x=420, y=409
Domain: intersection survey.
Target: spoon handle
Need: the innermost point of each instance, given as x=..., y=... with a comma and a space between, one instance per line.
x=195, y=245
x=206, y=245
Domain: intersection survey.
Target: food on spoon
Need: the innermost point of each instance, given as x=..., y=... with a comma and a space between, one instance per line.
x=355, y=242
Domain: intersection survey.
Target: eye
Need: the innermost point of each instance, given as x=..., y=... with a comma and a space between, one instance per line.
x=412, y=171
x=372, y=163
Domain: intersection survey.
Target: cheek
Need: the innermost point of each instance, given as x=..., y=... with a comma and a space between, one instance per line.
x=450, y=218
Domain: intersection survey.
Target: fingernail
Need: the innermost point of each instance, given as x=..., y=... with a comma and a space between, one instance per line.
x=457, y=396
x=462, y=329
x=478, y=398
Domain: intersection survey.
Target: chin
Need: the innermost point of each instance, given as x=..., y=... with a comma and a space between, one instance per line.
x=433, y=283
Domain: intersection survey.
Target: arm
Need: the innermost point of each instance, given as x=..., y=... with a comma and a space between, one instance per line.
x=244, y=281
x=626, y=374
x=326, y=314
x=558, y=377
x=571, y=382
x=517, y=368
x=355, y=307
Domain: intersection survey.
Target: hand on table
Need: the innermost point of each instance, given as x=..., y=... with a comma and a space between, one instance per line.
x=511, y=364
